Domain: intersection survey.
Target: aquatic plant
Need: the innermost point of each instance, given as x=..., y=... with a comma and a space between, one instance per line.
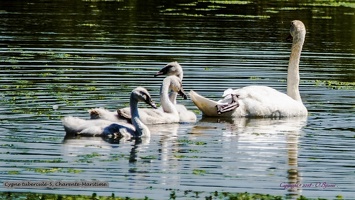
x=45, y=170
x=181, y=156
x=59, y=160
x=87, y=157
x=199, y=172
x=55, y=170
x=336, y=85
x=255, y=78
x=89, y=25
x=150, y=157
x=13, y=172
x=74, y=171
x=330, y=3
x=174, y=194
x=187, y=141
x=115, y=157
x=200, y=143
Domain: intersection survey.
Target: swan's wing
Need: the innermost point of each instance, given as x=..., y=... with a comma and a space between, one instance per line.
x=76, y=125
x=124, y=113
x=95, y=113
x=267, y=102
x=157, y=116
x=256, y=93
x=150, y=116
x=92, y=131
x=186, y=116
x=109, y=129
x=101, y=113
x=253, y=101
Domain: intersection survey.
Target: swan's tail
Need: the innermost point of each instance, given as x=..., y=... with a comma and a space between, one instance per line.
x=72, y=124
x=207, y=106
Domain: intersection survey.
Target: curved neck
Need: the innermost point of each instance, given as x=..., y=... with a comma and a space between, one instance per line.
x=293, y=77
x=165, y=101
x=173, y=95
x=141, y=129
x=181, y=75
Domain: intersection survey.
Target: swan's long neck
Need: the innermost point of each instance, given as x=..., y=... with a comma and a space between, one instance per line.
x=165, y=101
x=181, y=75
x=293, y=77
x=173, y=95
x=141, y=129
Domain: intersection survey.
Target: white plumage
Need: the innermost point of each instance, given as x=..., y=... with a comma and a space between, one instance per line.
x=167, y=113
x=106, y=128
x=262, y=101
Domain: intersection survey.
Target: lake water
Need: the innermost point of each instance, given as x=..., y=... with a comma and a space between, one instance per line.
x=79, y=55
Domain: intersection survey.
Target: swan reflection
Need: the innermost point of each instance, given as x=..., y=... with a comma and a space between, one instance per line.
x=258, y=147
x=74, y=146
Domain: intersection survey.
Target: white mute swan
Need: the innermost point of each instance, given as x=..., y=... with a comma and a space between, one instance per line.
x=262, y=101
x=107, y=128
x=167, y=113
x=175, y=69
x=172, y=69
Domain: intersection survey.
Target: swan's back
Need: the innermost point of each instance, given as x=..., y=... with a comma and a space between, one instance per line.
x=151, y=116
x=263, y=101
x=102, y=113
x=75, y=125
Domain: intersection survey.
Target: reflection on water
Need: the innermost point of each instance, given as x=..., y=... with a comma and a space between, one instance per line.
x=223, y=153
x=264, y=140
x=63, y=58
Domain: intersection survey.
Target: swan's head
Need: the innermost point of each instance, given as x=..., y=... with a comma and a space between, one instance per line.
x=171, y=69
x=142, y=94
x=297, y=31
x=175, y=85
